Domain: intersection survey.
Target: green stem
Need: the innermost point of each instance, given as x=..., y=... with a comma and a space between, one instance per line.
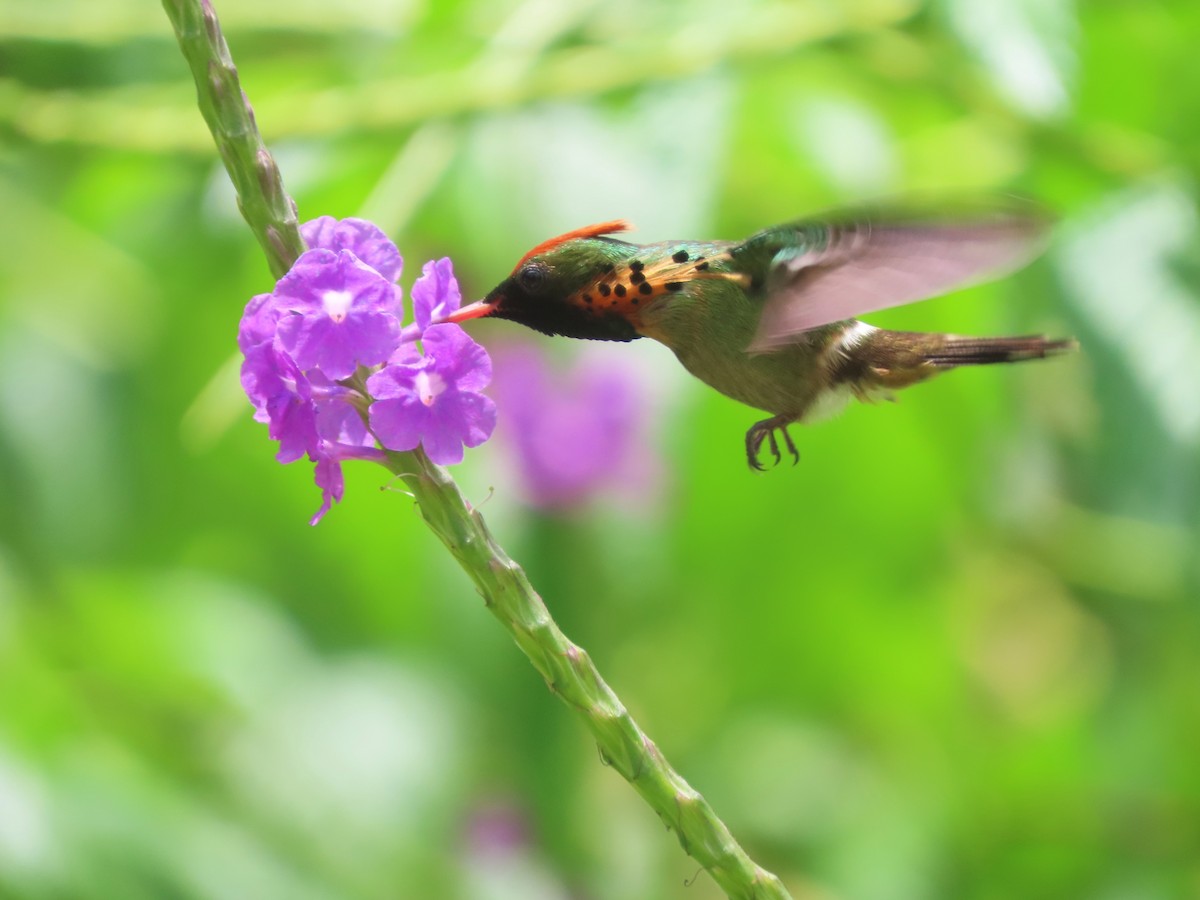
x=572, y=676
x=264, y=203
x=567, y=668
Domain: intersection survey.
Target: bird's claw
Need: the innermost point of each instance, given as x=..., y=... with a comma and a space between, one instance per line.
x=765, y=431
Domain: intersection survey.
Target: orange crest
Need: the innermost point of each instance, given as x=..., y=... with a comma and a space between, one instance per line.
x=587, y=231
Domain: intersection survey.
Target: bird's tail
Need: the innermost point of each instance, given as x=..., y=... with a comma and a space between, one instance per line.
x=948, y=350
x=895, y=359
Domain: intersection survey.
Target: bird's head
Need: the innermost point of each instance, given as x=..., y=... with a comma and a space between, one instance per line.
x=556, y=288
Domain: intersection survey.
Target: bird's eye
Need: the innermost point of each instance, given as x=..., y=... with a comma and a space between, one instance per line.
x=532, y=277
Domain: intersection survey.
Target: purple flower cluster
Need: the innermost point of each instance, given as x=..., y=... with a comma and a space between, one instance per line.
x=331, y=371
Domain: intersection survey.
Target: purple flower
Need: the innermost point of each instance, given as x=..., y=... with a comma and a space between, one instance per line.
x=407, y=352
x=435, y=293
x=364, y=239
x=329, y=478
x=336, y=310
x=435, y=402
x=282, y=398
x=258, y=322
x=309, y=418
x=497, y=829
x=576, y=434
x=328, y=469
x=345, y=314
x=338, y=419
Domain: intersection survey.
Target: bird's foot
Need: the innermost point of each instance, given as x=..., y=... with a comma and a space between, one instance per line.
x=765, y=431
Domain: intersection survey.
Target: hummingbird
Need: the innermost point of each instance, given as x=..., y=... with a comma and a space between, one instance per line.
x=771, y=320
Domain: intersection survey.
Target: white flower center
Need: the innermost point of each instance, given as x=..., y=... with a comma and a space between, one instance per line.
x=429, y=385
x=337, y=304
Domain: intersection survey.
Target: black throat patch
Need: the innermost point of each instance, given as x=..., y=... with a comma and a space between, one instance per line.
x=554, y=316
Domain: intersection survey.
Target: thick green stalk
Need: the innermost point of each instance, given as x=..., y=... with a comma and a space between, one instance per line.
x=265, y=205
x=573, y=677
x=567, y=668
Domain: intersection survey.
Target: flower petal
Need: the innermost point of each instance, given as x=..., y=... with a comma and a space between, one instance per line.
x=457, y=419
x=400, y=423
x=329, y=478
x=341, y=314
x=436, y=292
x=282, y=397
x=457, y=357
x=338, y=420
x=364, y=239
x=258, y=322
x=394, y=380
x=474, y=416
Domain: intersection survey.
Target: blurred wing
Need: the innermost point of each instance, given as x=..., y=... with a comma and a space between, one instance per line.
x=868, y=265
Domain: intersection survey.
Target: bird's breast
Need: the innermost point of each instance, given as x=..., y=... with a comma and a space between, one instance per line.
x=709, y=325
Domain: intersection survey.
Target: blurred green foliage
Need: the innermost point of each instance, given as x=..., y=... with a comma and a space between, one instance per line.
x=954, y=653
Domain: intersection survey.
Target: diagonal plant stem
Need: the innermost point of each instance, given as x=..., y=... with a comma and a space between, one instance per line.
x=264, y=203
x=567, y=668
x=573, y=677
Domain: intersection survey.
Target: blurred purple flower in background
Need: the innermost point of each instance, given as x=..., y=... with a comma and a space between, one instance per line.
x=501, y=858
x=574, y=435
x=497, y=829
x=337, y=314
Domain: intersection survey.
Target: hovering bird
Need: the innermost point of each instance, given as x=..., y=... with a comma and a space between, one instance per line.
x=769, y=321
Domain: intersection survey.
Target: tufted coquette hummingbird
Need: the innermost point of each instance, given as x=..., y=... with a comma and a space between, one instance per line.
x=769, y=321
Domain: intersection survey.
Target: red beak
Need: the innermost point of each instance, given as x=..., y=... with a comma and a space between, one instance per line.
x=471, y=311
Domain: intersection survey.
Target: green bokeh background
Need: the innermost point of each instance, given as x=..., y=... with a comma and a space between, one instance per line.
x=954, y=653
